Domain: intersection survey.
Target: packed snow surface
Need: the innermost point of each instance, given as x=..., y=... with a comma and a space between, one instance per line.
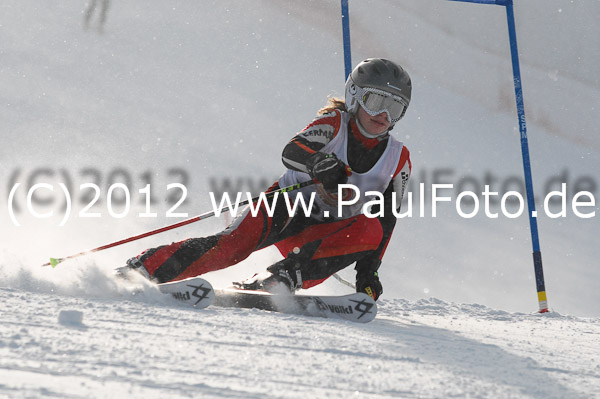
x=143, y=345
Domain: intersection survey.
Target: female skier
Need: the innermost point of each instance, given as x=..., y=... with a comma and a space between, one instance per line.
x=348, y=143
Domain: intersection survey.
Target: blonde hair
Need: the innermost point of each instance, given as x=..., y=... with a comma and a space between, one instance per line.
x=333, y=103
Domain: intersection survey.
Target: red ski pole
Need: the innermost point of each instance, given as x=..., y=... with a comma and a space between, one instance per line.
x=268, y=195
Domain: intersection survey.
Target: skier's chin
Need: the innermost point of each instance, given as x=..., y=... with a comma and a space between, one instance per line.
x=377, y=127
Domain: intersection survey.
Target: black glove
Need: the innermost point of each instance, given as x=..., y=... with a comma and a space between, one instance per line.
x=367, y=279
x=369, y=284
x=328, y=169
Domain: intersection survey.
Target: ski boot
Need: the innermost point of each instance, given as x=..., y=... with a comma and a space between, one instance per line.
x=133, y=265
x=280, y=278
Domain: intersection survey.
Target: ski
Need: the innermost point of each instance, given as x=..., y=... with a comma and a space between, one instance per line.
x=198, y=293
x=356, y=307
x=194, y=292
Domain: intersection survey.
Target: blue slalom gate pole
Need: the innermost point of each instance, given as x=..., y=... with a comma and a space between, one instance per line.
x=537, y=254
x=514, y=52
x=346, y=37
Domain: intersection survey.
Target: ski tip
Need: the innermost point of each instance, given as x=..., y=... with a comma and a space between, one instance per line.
x=195, y=291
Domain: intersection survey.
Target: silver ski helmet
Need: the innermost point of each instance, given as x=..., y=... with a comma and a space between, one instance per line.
x=374, y=84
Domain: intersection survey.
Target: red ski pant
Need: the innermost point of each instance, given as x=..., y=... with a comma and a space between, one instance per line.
x=335, y=245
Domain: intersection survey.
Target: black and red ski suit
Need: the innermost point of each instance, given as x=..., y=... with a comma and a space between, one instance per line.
x=323, y=246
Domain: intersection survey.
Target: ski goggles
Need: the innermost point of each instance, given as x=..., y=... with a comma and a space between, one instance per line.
x=375, y=101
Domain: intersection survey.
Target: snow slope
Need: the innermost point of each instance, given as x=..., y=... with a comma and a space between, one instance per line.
x=56, y=345
x=205, y=93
